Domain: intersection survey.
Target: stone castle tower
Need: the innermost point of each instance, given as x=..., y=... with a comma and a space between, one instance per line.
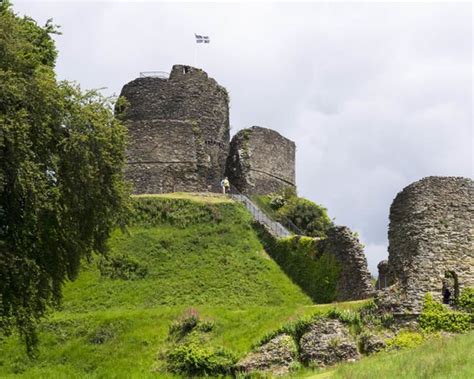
x=178, y=132
x=431, y=241
x=179, y=139
x=261, y=161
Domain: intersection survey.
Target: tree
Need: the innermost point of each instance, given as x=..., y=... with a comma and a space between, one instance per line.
x=61, y=175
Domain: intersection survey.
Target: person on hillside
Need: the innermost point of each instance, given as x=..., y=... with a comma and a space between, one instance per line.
x=225, y=185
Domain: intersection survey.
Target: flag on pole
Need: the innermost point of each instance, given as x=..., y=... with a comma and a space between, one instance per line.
x=202, y=39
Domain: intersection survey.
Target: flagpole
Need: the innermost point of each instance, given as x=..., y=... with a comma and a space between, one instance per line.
x=195, y=54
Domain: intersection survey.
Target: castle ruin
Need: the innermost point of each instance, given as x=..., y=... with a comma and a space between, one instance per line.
x=179, y=132
x=179, y=139
x=261, y=161
x=431, y=242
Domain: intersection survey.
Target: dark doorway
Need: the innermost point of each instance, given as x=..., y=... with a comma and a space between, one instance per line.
x=450, y=287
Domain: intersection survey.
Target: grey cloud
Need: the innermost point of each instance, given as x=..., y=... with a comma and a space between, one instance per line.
x=375, y=95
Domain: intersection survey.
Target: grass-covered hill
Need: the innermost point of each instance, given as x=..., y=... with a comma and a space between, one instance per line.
x=180, y=251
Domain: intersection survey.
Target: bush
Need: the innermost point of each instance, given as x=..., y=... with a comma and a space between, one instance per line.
x=405, y=339
x=436, y=316
x=466, y=300
x=194, y=359
x=190, y=354
x=122, y=267
x=309, y=217
x=187, y=322
x=277, y=201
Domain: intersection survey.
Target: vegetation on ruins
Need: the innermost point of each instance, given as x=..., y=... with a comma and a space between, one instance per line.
x=310, y=218
x=61, y=185
x=437, y=316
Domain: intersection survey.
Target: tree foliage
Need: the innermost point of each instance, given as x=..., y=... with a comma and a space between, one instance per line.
x=310, y=218
x=61, y=174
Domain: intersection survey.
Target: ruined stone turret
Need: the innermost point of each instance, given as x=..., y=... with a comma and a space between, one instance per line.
x=431, y=241
x=178, y=132
x=261, y=161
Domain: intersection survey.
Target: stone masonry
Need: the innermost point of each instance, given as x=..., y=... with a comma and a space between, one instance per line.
x=382, y=280
x=431, y=241
x=355, y=280
x=261, y=161
x=178, y=132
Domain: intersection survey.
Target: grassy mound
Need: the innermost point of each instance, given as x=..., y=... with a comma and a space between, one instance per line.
x=181, y=251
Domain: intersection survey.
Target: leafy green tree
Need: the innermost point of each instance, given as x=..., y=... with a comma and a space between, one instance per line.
x=61, y=175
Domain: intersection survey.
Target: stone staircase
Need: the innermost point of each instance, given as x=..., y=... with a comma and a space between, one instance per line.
x=275, y=228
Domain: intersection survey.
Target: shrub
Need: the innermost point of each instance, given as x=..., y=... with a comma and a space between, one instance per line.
x=436, y=316
x=184, y=324
x=190, y=354
x=277, y=201
x=466, y=300
x=122, y=267
x=405, y=339
x=310, y=217
x=194, y=359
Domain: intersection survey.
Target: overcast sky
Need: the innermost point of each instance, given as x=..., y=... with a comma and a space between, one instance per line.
x=375, y=95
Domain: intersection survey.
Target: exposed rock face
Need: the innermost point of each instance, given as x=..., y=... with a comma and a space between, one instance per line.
x=179, y=132
x=274, y=357
x=371, y=343
x=382, y=280
x=355, y=280
x=328, y=342
x=431, y=241
x=261, y=161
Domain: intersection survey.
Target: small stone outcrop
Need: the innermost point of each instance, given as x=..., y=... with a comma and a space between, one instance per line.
x=355, y=279
x=431, y=243
x=274, y=357
x=261, y=161
x=328, y=342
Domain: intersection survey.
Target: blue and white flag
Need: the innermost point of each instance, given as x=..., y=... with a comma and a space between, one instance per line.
x=202, y=39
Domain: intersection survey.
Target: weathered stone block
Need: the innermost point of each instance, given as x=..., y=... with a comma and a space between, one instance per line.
x=275, y=357
x=328, y=342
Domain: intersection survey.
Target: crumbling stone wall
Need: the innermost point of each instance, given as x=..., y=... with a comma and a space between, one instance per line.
x=431, y=238
x=261, y=161
x=178, y=132
x=354, y=279
x=382, y=280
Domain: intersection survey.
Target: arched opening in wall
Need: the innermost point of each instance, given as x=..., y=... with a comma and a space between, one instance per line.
x=450, y=287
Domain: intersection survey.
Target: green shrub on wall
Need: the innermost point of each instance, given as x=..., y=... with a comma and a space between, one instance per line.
x=436, y=316
x=316, y=273
x=310, y=218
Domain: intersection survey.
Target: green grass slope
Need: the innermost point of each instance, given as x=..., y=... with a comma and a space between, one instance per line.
x=197, y=251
